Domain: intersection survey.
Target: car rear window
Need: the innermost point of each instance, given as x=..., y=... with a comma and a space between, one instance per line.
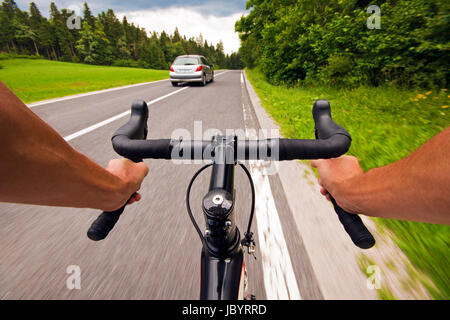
x=186, y=61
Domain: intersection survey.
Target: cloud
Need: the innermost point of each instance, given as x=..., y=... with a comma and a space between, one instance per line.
x=190, y=22
x=219, y=8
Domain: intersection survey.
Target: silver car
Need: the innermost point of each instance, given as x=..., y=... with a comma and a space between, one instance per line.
x=191, y=68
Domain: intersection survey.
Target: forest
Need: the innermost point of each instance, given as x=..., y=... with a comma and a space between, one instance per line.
x=101, y=40
x=332, y=42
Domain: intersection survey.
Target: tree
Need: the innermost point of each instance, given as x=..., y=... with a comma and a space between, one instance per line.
x=8, y=26
x=164, y=42
x=157, y=56
x=35, y=25
x=200, y=41
x=122, y=48
x=24, y=33
x=93, y=45
x=59, y=27
x=176, y=36
x=113, y=30
x=87, y=15
x=221, y=59
x=47, y=38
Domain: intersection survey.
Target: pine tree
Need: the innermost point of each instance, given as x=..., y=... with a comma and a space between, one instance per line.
x=8, y=27
x=122, y=48
x=10, y=8
x=87, y=15
x=176, y=36
x=24, y=33
x=55, y=21
x=200, y=40
x=221, y=59
x=113, y=30
x=47, y=37
x=93, y=45
x=35, y=25
x=84, y=44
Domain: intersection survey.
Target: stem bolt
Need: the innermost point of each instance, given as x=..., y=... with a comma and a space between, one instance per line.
x=217, y=199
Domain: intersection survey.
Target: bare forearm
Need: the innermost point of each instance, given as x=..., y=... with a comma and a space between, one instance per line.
x=59, y=179
x=39, y=167
x=414, y=188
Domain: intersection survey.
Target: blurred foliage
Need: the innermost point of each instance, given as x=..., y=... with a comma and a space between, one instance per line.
x=328, y=42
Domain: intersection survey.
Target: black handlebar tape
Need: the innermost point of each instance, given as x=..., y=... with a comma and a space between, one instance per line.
x=135, y=128
x=293, y=149
x=142, y=149
x=287, y=149
x=325, y=127
x=104, y=223
x=130, y=140
x=332, y=140
x=354, y=226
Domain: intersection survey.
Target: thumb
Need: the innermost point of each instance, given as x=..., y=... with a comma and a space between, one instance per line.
x=142, y=169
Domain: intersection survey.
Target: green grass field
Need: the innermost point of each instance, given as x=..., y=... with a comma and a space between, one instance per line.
x=386, y=124
x=39, y=79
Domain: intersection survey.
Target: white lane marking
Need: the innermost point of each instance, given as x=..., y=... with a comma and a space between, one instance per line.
x=242, y=79
x=219, y=74
x=123, y=114
x=40, y=103
x=116, y=117
x=279, y=276
x=245, y=118
x=95, y=126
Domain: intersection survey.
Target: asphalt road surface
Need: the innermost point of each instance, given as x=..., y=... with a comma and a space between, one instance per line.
x=154, y=251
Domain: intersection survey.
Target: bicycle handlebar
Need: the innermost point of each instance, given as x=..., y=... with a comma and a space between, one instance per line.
x=135, y=128
x=332, y=141
x=104, y=223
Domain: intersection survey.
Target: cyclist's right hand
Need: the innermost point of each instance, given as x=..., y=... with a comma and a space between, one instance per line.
x=334, y=177
x=131, y=174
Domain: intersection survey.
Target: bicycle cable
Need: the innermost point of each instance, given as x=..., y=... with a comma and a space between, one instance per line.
x=248, y=240
x=248, y=236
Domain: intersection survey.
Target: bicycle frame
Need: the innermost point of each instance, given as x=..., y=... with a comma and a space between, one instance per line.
x=222, y=257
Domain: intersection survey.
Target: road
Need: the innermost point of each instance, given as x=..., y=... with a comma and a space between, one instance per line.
x=154, y=251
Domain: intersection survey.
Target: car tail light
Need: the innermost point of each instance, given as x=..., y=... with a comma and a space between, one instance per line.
x=200, y=68
x=172, y=69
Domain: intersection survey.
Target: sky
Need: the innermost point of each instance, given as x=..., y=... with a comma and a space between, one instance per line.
x=214, y=19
